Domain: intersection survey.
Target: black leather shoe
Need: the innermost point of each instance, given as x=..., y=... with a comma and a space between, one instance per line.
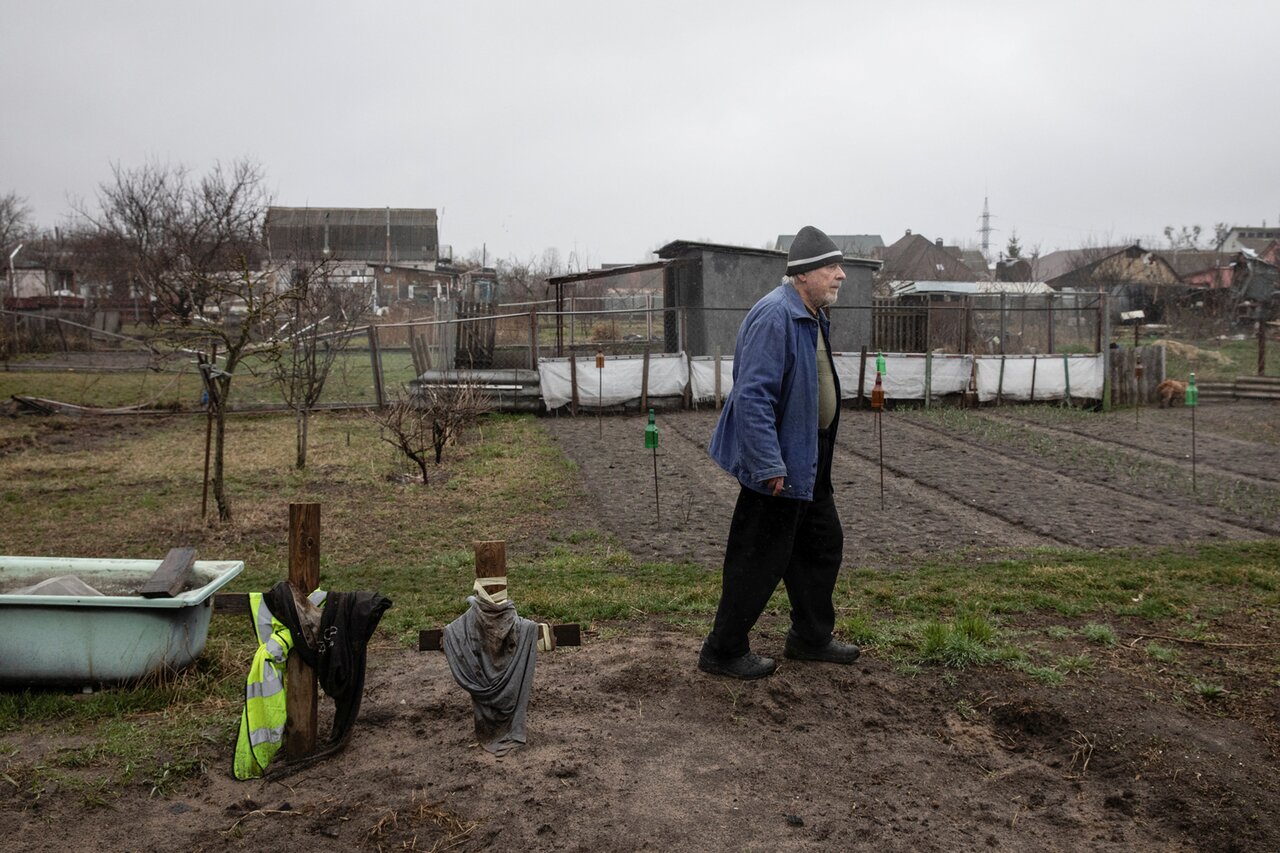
x=748, y=667
x=833, y=652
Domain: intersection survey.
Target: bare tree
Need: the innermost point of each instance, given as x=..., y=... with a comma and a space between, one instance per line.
x=175, y=233
x=193, y=245
x=322, y=311
x=426, y=423
x=15, y=221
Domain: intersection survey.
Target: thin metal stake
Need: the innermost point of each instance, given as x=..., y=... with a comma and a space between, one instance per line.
x=1193, y=449
x=880, y=432
x=657, y=507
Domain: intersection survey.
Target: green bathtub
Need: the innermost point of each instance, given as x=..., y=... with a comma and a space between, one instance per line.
x=81, y=640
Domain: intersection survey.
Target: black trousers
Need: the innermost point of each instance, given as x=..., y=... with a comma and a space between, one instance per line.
x=775, y=539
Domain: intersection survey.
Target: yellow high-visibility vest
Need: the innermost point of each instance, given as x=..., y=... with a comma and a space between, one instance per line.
x=263, y=718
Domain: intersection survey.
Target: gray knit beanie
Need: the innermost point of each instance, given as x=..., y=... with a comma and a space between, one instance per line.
x=810, y=250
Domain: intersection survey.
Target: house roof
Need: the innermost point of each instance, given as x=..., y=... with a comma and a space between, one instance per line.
x=1059, y=263
x=964, y=288
x=1186, y=263
x=916, y=258
x=857, y=245
x=356, y=233
x=677, y=248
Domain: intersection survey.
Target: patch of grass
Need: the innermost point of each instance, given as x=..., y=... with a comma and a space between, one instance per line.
x=1059, y=632
x=1046, y=675
x=1209, y=692
x=1103, y=635
x=1075, y=664
x=1163, y=654
x=957, y=646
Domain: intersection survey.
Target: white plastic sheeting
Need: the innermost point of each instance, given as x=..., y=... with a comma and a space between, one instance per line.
x=702, y=377
x=1049, y=373
x=904, y=375
x=619, y=381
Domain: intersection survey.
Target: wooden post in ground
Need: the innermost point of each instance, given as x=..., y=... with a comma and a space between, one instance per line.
x=862, y=378
x=533, y=338
x=376, y=361
x=300, y=679
x=644, y=382
x=573, y=383
x=719, y=397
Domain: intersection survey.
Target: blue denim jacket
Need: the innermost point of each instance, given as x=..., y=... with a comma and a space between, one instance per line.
x=769, y=425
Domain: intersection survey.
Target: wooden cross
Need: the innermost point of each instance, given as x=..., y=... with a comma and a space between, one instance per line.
x=301, y=692
x=491, y=562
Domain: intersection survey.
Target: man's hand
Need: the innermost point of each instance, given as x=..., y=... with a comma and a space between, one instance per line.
x=774, y=485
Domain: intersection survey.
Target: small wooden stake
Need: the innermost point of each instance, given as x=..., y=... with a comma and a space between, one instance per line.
x=300, y=679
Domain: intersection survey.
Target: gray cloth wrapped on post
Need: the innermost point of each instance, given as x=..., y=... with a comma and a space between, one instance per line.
x=491, y=652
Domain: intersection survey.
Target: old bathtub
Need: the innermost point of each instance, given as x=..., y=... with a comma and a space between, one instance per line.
x=82, y=640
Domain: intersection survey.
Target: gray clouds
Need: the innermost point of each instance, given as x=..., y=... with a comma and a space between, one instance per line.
x=607, y=129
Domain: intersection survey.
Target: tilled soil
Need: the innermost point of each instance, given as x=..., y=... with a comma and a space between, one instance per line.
x=632, y=748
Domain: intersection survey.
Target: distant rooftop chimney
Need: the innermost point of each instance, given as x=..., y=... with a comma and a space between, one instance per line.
x=938, y=242
x=908, y=232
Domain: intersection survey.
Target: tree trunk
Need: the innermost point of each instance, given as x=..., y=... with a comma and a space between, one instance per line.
x=219, y=443
x=422, y=465
x=303, y=420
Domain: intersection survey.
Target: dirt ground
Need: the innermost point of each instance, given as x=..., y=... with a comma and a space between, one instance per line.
x=631, y=748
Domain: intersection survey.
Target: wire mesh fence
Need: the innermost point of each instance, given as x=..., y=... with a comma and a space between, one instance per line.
x=67, y=356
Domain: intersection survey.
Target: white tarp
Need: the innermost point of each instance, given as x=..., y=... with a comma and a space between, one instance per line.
x=619, y=381
x=702, y=377
x=1049, y=373
x=904, y=375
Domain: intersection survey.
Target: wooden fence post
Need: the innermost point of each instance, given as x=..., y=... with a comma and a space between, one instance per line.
x=573, y=382
x=862, y=378
x=375, y=360
x=300, y=679
x=719, y=399
x=644, y=382
x=533, y=338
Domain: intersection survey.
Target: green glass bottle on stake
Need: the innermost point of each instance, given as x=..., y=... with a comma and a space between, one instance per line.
x=1193, y=393
x=651, y=442
x=880, y=365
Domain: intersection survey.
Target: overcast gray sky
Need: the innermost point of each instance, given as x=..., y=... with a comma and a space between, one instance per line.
x=606, y=129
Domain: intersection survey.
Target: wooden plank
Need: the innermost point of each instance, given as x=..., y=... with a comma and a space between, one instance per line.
x=300, y=679
x=171, y=575
x=432, y=639
x=230, y=603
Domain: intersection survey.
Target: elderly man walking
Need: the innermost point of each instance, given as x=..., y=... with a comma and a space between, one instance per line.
x=775, y=435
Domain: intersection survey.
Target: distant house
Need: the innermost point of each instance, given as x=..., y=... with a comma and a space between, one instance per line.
x=392, y=235
x=853, y=245
x=396, y=249
x=1255, y=238
x=1210, y=270
x=33, y=279
x=916, y=258
x=1134, y=277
